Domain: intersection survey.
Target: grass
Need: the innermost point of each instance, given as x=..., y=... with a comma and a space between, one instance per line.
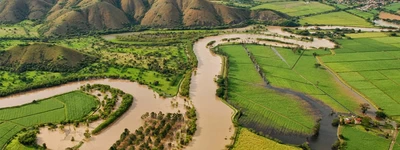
x=304, y=77
x=296, y=8
x=369, y=63
x=23, y=29
x=16, y=145
x=393, y=7
x=367, y=35
x=340, y=18
x=71, y=106
x=248, y=140
x=261, y=107
x=362, y=14
x=357, y=138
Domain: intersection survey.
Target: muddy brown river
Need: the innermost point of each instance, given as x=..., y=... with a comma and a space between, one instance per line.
x=215, y=126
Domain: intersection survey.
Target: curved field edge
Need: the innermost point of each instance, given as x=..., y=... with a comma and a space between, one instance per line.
x=298, y=121
x=42, y=112
x=247, y=140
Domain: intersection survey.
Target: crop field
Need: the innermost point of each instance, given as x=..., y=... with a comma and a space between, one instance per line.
x=262, y=108
x=356, y=137
x=370, y=66
x=248, y=140
x=362, y=14
x=304, y=78
x=296, y=8
x=70, y=106
x=367, y=35
x=340, y=18
x=393, y=7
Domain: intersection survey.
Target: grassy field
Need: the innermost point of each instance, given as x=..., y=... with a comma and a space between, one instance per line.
x=393, y=7
x=71, y=106
x=340, y=18
x=22, y=29
x=356, y=137
x=261, y=107
x=296, y=8
x=16, y=145
x=362, y=14
x=304, y=78
x=248, y=140
x=370, y=66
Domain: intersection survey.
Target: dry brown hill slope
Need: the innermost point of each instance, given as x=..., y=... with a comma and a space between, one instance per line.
x=43, y=57
x=75, y=16
x=14, y=11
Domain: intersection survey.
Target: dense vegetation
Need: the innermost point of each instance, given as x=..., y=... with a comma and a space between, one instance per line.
x=160, y=131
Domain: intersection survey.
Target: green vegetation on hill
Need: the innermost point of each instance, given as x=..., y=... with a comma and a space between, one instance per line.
x=43, y=57
x=296, y=8
x=248, y=140
x=340, y=18
x=67, y=107
x=262, y=108
x=370, y=66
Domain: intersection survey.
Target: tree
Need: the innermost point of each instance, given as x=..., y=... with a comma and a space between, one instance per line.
x=28, y=138
x=44, y=146
x=364, y=107
x=380, y=114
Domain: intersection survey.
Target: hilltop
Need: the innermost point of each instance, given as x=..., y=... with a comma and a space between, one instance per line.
x=43, y=57
x=73, y=16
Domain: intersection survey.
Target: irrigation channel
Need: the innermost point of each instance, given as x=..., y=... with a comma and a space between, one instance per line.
x=214, y=124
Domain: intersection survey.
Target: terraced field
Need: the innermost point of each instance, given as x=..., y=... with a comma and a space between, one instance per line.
x=247, y=93
x=71, y=106
x=340, y=18
x=371, y=66
x=296, y=8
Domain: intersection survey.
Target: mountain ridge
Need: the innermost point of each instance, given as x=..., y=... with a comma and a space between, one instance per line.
x=71, y=16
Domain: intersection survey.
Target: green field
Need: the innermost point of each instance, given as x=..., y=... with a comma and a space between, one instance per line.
x=340, y=18
x=296, y=8
x=71, y=106
x=262, y=107
x=22, y=29
x=362, y=14
x=393, y=7
x=304, y=78
x=370, y=66
x=357, y=139
x=247, y=140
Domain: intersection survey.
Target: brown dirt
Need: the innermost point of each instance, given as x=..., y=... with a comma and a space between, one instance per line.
x=384, y=15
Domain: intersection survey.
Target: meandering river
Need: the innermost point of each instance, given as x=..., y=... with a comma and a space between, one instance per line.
x=215, y=126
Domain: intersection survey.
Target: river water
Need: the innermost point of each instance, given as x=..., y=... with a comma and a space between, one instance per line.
x=214, y=117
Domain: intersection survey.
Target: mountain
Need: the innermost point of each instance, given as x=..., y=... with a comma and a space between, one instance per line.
x=73, y=16
x=43, y=57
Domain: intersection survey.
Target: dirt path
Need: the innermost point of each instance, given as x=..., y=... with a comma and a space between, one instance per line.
x=395, y=134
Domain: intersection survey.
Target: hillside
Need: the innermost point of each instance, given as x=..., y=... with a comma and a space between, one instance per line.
x=44, y=58
x=74, y=16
